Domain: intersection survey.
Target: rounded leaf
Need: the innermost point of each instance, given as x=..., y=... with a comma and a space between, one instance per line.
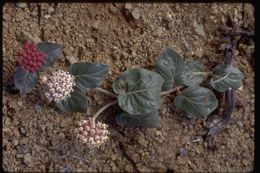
x=193, y=73
x=196, y=102
x=77, y=102
x=88, y=75
x=139, y=91
x=151, y=120
x=169, y=65
x=225, y=77
x=52, y=51
x=25, y=80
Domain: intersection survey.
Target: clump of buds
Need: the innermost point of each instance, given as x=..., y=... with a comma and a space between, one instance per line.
x=92, y=133
x=59, y=85
x=30, y=58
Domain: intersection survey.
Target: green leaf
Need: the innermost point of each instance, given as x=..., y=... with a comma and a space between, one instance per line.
x=151, y=120
x=88, y=75
x=52, y=51
x=196, y=102
x=24, y=80
x=76, y=103
x=225, y=77
x=169, y=65
x=193, y=73
x=139, y=91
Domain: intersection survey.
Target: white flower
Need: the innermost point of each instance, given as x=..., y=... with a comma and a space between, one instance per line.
x=59, y=85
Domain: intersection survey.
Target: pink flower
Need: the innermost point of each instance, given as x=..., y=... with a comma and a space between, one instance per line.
x=92, y=133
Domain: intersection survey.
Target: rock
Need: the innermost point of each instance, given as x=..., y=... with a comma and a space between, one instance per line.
x=22, y=130
x=96, y=24
x=183, y=152
x=61, y=136
x=113, y=9
x=113, y=157
x=64, y=123
x=37, y=108
x=20, y=156
x=67, y=169
x=15, y=142
x=136, y=13
x=47, y=16
x=68, y=50
x=51, y=10
x=21, y=5
x=240, y=124
x=71, y=59
x=199, y=28
x=27, y=158
x=16, y=132
x=142, y=168
x=20, y=104
x=159, y=31
x=128, y=6
x=23, y=149
x=6, y=17
x=24, y=36
x=171, y=25
x=24, y=140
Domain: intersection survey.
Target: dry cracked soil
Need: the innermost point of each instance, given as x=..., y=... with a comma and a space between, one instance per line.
x=38, y=137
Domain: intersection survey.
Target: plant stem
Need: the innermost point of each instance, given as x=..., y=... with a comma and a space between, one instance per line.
x=103, y=108
x=107, y=92
x=172, y=90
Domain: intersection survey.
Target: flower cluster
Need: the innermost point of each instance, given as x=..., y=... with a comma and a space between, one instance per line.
x=92, y=133
x=59, y=85
x=30, y=58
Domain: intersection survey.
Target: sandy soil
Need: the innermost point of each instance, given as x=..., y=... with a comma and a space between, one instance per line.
x=38, y=137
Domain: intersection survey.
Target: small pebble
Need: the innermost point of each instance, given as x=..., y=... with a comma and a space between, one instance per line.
x=136, y=13
x=27, y=158
x=67, y=169
x=20, y=104
x=37, y=108
x=15, y=142
x=47, y=16
x=183, y=152
x=96, y=24
x=113, y=157
x=50, y=10
x=128, y=6
x=21, y=5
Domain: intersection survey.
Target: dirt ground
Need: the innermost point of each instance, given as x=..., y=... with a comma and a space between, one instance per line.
x=38, y=137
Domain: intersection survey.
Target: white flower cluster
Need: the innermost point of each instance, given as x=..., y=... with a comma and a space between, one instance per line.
x=92, y=133
x=59, y=85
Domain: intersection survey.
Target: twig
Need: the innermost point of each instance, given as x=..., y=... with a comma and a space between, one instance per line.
x=79, y=158
x=103, y=108
x=106, y=92
x=185, y=43
x=184, y=40
x=62, y=157
x=172, y=90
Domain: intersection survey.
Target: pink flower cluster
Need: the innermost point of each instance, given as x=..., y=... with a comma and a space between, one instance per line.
x=92, y=133
x=30, y=58
x=59, y=85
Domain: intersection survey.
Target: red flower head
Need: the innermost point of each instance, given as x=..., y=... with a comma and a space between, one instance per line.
x=30, y=58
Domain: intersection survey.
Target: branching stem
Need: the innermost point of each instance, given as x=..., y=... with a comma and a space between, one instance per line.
x=106, y=92
x=104, y=108
x=170, y=91
x=115, y=96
